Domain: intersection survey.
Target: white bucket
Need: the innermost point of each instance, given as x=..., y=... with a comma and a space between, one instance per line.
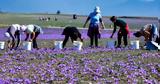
x=2, y=44
x=135, y=44
x=27, y=45
x=58, y=44
x=110, y=44
x=77, y=45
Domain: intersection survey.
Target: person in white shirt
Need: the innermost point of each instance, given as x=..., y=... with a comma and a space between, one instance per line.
x=33, y=31
x=13, y=32
x=149, y=32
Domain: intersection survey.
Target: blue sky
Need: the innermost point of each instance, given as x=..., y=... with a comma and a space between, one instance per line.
x=84, y=7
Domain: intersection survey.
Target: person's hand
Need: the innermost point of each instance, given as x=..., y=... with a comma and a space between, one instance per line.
x=81, y=39
x=103, y=27
x=30, y=40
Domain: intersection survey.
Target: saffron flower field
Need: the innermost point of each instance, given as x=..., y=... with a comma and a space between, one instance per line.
x=91, y=65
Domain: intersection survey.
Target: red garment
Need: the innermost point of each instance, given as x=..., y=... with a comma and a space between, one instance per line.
x=127, y=28
x=124, y=31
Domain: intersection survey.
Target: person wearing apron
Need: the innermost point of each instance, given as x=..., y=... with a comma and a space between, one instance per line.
x=94, y=26
x=123, y=31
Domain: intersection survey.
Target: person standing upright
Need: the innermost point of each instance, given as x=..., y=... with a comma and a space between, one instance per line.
x=94, y=26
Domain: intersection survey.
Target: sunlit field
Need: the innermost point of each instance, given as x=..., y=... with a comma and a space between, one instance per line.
x=90, y=65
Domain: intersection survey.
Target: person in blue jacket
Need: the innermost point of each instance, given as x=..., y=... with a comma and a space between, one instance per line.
x=94, y=27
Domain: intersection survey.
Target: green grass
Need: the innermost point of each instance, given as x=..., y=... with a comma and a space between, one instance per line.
x=63, y=20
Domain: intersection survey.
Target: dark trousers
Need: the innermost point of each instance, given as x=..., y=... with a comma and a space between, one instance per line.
x=18, y=36
x=93, y=33
x=14, y=37
x=124, y=39
x=158, y=40
x=73, y=38
x=92, y=38
x=34, y=42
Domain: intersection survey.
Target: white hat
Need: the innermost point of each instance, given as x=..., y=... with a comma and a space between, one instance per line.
x=97, y=9
x=23, y=27
x=7, y=35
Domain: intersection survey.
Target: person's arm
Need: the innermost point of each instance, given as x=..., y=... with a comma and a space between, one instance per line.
x=27, y=35
x=146, y=35
x=80, y=37
x=33, y=36
x=86, y=22
x=103, y=26
x=114, y=30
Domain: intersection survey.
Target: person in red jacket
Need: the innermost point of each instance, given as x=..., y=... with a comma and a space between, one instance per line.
x=123, y=31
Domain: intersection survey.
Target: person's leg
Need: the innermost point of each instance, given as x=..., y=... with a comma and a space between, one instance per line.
x=13, y=41
x=65, y=40
x=96, y=34
x=91, y=41
x=9, y=43
x=157, y=40
x=35, y=40
x=80, y=37
x=96, y=40
x=125, y=40
x=18, y=36
x=91, y=37
x=151, y=35
x=119, y=39
x=12, y=33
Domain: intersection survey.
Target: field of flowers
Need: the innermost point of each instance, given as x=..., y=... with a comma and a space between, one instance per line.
x=91, y=65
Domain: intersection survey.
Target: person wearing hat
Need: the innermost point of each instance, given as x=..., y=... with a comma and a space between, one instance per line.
x=123, y=31
x=13, y=33
x=94, y=26
x=33, y=31
x=149, y=32
x=71, y=32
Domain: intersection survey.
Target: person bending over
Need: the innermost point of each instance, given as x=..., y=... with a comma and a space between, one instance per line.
x=71, y=32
